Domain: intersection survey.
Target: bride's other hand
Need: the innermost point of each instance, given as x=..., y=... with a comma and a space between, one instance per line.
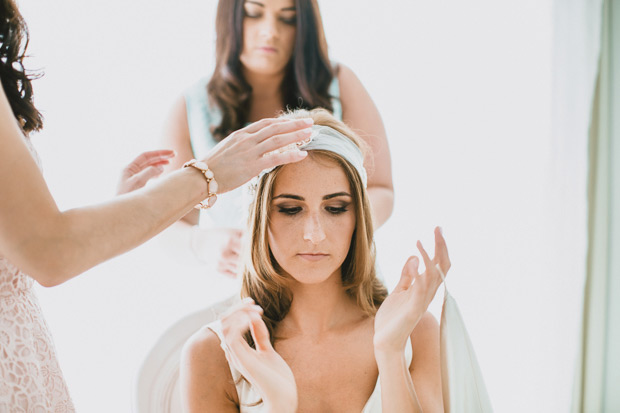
x=242, y=155
x=263, y=367
x=146, y=166
x=404, y=307
x=230, y=257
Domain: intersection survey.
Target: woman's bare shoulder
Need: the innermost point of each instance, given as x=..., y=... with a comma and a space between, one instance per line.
x=203, y=348
x=206, y=379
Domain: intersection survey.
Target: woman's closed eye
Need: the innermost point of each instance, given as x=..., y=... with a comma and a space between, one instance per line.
x=337, y=210
x=289, y=19
x=289, y=210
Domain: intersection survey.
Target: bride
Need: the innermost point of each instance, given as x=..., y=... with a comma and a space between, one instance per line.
x=316, y=331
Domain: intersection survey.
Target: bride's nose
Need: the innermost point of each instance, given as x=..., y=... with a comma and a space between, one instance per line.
x=313, y=229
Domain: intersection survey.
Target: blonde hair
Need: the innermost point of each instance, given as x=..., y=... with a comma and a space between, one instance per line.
x=262, y=278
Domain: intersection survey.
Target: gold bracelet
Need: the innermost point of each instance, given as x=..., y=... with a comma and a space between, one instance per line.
x=211, y=183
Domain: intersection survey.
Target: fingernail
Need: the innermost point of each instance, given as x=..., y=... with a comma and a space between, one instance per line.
x=441, y=230
x=307, y=130
x=247, y=300
x=303, y=154
x=309, y=121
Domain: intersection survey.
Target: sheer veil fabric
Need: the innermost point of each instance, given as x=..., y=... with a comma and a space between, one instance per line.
x=462, y=382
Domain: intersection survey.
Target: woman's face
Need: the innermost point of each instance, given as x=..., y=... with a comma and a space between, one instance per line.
x=268, y=35
x=312, y=219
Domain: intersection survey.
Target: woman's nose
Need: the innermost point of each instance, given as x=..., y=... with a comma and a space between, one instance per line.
x=269, y=27
x=313, y=229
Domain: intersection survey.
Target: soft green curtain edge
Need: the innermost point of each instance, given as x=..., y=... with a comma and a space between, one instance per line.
x=589, y=391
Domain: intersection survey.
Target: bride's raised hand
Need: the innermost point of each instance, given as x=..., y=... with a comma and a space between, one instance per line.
x=263, y=367
x=404, y=307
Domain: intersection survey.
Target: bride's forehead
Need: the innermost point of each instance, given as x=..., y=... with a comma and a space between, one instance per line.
x=314, y=171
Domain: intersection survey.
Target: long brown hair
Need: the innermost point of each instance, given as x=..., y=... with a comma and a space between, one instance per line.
x=16, y=80
x=262, y=277
x=308, y=74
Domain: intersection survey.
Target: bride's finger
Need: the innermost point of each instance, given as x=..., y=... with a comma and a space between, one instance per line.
x=410, y=271
x=260, y=333
x=427, y=260
x=441, y=251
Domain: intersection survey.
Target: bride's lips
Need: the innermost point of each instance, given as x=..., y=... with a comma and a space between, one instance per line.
x=314, y=256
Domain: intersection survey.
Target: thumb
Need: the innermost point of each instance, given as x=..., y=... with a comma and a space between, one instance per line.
x=410, y=271
x=260, y=333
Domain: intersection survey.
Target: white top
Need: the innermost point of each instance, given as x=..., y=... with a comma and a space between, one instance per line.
x=248, y=396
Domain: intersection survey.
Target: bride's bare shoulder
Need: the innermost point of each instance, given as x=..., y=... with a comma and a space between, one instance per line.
x=205, y=373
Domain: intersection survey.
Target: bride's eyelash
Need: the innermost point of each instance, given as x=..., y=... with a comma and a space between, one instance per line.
x=337, y=210
x=289, y=211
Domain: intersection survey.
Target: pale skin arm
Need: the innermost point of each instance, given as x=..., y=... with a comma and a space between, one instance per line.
x=415, y=388
x=54, y=246
x=361, y=114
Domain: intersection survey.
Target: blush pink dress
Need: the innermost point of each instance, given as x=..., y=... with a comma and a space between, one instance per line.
x=30, y=378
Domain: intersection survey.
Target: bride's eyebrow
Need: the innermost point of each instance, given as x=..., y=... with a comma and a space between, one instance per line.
x=337, y=194
x=289, y=196
x=301, y=198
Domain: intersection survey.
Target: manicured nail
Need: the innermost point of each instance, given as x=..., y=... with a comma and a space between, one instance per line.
x=309, y=121
x=303, y=154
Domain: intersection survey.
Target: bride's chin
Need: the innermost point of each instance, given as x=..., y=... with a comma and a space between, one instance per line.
x=310, y=277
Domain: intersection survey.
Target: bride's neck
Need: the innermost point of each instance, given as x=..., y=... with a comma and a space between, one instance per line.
x=319, y=308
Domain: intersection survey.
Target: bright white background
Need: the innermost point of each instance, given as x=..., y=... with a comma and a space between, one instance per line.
x=464, y=89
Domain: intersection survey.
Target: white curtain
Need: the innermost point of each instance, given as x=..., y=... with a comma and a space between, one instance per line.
x=597, y=377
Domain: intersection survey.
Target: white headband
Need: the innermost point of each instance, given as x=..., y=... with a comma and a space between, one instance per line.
x=329, y=139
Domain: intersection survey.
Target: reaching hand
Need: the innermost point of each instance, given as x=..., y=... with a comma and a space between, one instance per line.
x=402, y=309
x=262, y=367
x=147, y=165
x=242, y=155
x=229, y=259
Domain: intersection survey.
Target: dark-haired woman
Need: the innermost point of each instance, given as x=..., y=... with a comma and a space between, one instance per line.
x=272, y=55
x=38, y=242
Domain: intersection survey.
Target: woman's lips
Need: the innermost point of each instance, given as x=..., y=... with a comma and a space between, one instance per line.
x=313, y=256
x=268, y=49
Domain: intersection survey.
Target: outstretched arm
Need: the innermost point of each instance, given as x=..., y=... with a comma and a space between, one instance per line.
x=361, y=114
x=176, y=137
x=403, y=314
x=54, y=246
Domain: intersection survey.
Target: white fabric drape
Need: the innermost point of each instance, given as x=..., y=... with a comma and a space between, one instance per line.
x=575, y=52
x=598, y=368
